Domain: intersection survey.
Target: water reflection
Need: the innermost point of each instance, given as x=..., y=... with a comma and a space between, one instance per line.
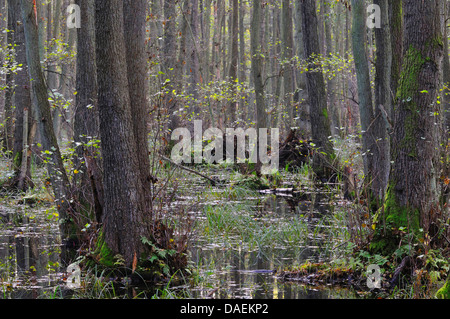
x=240, y=274
x=29, y=255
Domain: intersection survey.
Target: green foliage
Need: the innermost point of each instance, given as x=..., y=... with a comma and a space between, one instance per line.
x=444, y=292
x=157, y=260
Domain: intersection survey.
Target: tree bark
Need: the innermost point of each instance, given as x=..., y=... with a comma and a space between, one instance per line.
x=55, y=167
x=257, y=61
x=331, y=83
x=287, y=55
x=125, y=214
x=86, y=121
x=359, y=41
x=135, y=34
x=382, y=109
x=23, y=106
x=233, y=70
x=324, y=156
x=413, y=195
x=170, y=63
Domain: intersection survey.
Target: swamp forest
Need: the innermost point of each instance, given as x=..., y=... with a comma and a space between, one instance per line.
x=224, y=149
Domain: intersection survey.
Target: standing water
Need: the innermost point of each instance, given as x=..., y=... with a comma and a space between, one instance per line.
x=240, y=243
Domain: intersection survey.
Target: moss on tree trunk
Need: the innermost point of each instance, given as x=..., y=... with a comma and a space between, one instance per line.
x=413, y=194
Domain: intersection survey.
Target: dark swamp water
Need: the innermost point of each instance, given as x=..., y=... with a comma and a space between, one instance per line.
x=227, y=267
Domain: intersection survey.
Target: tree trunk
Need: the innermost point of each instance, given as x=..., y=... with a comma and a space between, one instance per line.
x=135, y=34
x=359, y=41
x=125, y=218
x=23, y=108
x=233, y=71
x=8, y=135
x=86, y=121
x=56, y=171
x=396, y=29
x=193, y=66
x=170, y=63
x=413, y=195
x=257, y=60
x=382, y=109
x=287, y=55
x=323, y=159
x=331, y=83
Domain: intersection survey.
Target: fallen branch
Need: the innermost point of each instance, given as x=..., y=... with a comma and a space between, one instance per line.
x=188, y=169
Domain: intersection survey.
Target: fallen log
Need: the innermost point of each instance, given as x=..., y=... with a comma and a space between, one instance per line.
x=213, y=182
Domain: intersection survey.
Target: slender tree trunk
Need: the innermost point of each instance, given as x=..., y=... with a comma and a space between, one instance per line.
x=9, y=91
x=323, y=159
x=242, y=58
x=53, y=77
x=287, y=55
x=383, y=98
x=413, y=194
x=170, y=62
x=233, y=71
x=396, y=29
x=55, y=167
x=86, y=121
x=364, y=88
x=257, y=60
x=331, y=83
x=23, y=104
x=193, y=67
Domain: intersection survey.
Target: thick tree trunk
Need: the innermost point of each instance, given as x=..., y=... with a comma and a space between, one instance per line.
x=125, y=214
x=323, y=159
x=134, y=30
x=413, y=195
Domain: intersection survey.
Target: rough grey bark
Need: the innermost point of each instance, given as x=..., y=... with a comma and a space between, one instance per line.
x=413, y=191
x=193, y=64
x=125, y=219
x=301, y=96
x=331, y=83
x=359, y=41
x=234, y=54
x=135, y=34
x=287, y=50
x=396, y=29
x=86, y=122
x=23, y=106
x=323, y=159
x=170, y=65
x=382, y=107
x=8, y=134
x=257, y=61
